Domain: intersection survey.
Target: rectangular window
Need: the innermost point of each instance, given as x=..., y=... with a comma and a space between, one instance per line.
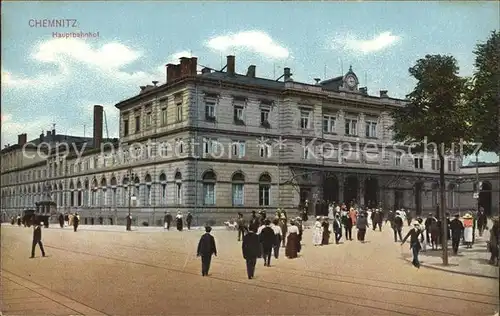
x=164, y=194
x=397, y=159
x=452, y=165
x=137, y=124
x=238, y=194
x=125, y=128
x=371, y=129
x=264, y=194
x=265, y=151
x=418, y=163
x=238, y=113
x=209, y=145
x=351, y=126
x=148, y=119
x=209, y=193
x=305, y=153
x=328, y=124
x=305, y=117
x=238, y=149
x=178, y=193
x=264, y=116
x=210, y=110
x=178, y=112
x=180, y=145
x=164, y=116
x=435, y=164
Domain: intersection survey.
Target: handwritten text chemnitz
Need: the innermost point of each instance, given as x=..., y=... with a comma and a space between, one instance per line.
x=48, y=23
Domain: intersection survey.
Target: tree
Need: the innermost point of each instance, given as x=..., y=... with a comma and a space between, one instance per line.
x=484, y=94
x=435, y=116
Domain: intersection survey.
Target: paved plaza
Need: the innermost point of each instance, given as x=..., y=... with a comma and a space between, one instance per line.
x=103, y=270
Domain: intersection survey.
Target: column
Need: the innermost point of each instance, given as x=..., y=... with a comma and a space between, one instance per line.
x=361, y=189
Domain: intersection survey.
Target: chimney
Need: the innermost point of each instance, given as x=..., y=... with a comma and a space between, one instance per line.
x=48, y=134
x=185, y=66
x=41, y=136
x=287, y=74
x=317, y=80
x=194, y=65
x=206, y=70
x=98, y=115
x=251, y=71
x=170, y=73
x=230, y=65
x=22, y=139
x=383, y=94
x=53, y=129
x=363, y=90
x=142, y=88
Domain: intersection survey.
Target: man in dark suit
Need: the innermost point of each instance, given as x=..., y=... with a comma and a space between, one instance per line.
x=251, y=249
x=37, y=239
x=206, y=248
x=267, y=239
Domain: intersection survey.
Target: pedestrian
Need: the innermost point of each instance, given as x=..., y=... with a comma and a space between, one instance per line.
x=206, y=248
x=428, y=223
x=317, y=235
x=293, y=243
x=362, y=226
x=254, y=222
x=167, y=220
x=19, y=221
x=278, y=235
x=494, y=243
x=347, y=223
x=397, y=226
x=267, y=239
x=178, y=219
x=283, y=224
x=189, y=220
x=325, y=240
x=468, y=230
x=251, y=249
x=457, y=228
x=377, y=219
x=76, y=221
x=61, y=220
x=415, y=246
x=129, y=222
x=241, y=226
x=37, y=239
x=337, y=228
x=482, y=221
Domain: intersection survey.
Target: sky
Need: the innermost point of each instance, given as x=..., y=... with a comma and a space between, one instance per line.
x=48, y=80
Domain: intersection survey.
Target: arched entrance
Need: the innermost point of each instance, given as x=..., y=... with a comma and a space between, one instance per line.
x=330, y=188
x=418, y=197
x=351, y=189
x=485, y=198
x=371, y=192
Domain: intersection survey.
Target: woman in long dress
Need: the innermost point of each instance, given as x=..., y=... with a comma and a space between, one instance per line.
x=178, y=218
x=325, y=238
x=317, y=232
x=468, y=230
x=293, y=243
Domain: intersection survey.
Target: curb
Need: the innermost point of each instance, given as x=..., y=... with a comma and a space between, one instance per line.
x=478, y=275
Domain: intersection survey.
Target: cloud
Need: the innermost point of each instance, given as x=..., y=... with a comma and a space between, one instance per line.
x=12, y=126
x=377, y=43
x=253, y=41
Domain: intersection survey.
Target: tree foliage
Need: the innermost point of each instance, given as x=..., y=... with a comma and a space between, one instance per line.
x=436, y=111
x=484, y=94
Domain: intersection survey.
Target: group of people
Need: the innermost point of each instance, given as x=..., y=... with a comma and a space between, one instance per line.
x=70, y=219
x=178, y=219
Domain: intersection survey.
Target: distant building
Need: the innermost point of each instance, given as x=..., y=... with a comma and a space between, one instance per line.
x=335, y=145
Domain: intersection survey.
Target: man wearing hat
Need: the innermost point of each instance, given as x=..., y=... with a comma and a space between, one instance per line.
x=206, y=248
x=457, y=229
x=254, y=222
x=37, y=238
x=415, y=246
x=241, y=226
x=468, y=230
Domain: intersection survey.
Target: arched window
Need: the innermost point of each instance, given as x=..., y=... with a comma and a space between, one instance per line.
x=103, y=199
x=209, y=180
x=125, y=186
x=61, y=201
x=113, y=188
x=79, y=198
x=71, y=193
x=93, y=199
x=163, y=188
x=265, y=190
x=451, y=195
x=86, y=193
x=238, y=185
x=178, y=187
x=148, y=197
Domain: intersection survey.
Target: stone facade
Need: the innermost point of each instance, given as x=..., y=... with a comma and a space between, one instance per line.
x=218, y=143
